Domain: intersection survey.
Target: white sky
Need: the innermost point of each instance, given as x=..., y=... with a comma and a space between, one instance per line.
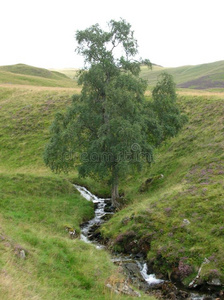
x=169, y=32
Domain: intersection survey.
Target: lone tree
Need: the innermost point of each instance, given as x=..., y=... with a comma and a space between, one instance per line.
x=107, y=123
x=167, y=119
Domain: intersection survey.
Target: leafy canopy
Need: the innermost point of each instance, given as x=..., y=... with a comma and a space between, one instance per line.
x=169, y=118
x=110, y=128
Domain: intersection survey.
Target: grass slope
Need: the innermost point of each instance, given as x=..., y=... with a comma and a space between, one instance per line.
x=180, y=218
x=204, y=76
x=35, y=204
x=25, y=118
x=34, y=211
x=28, y=75
x=33, y=71
x=69, y=72
x=35, y=207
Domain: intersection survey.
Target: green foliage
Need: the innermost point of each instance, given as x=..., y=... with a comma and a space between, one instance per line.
x=110, y=124
x=164, y=104
x=105, y=121
x=97, y=46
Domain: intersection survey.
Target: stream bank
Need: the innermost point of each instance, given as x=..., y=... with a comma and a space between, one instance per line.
x=134, y=266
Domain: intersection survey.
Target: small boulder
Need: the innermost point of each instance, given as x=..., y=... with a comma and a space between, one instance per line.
x=186, y=222
x=71, y=231
x=22, y=254
x=215, y=281
x=20, y=251
x=123, y=288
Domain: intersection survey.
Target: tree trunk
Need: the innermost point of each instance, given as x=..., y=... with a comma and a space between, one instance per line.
x=114, y=190
x=114, y=195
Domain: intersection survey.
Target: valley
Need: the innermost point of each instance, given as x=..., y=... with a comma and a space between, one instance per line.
x=176, y=221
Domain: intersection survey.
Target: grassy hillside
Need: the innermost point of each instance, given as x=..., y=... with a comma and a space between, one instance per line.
x=179, y=219
x=33, y=71
x=25, y=119
x=35, y=204
x=28, y=75
x=204, y=76
x=69, y=72
x=35, y=207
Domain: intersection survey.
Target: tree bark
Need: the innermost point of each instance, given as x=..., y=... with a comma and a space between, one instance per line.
x=114, y=190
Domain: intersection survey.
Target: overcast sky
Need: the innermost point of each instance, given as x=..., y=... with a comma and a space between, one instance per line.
x=170, y=33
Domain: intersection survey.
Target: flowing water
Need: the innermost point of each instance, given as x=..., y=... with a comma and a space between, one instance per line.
x=100, y=203
x=87, y=235
x=149, y=278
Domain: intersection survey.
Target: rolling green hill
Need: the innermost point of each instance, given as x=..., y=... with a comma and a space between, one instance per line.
x=33, y=71
x=69, y=72
x=28, y=75
x=200, y=77
x=205, y=76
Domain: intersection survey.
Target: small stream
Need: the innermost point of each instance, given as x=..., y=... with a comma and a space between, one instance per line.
x=90, y=226
x=134, y=266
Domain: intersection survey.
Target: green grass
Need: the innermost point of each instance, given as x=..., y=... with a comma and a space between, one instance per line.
x=40, y=199
x=192, y=188
x=36, y=205
x=28, y=75
x=204, y=76
x=34, y=212
x=33, y=71
x=71, y=73
x=199, y=76
x=25, y=118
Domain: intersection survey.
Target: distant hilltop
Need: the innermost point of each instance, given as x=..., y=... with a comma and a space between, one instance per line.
x=32, y=71
x=22, y=74
x=203, y=76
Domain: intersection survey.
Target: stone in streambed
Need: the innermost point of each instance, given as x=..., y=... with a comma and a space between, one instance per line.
x=123, y=288
x=133, y=272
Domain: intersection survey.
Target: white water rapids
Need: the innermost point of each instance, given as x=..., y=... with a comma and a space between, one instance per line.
x=99, y=213
x=149, y=278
